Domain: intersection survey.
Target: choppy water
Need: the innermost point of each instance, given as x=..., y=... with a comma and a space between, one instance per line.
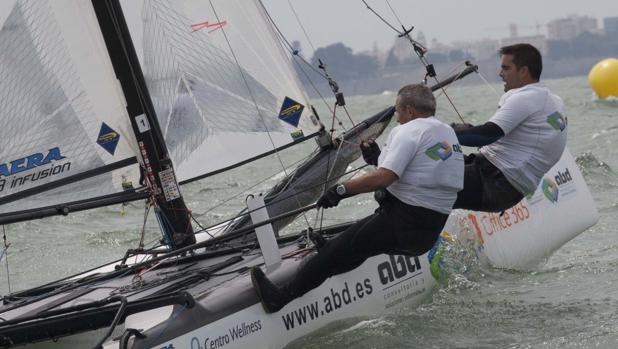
x=570, y=302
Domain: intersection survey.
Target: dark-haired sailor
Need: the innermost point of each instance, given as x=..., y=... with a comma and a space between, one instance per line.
x=520, y=142
x=419, y=172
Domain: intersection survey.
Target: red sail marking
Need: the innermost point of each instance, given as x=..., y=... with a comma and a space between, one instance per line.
x=215, y=26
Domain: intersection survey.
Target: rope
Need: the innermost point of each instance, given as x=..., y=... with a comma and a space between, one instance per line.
x=489, y=85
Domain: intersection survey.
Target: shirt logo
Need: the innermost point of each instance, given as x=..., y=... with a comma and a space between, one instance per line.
x=440, y=151
x=557, y=121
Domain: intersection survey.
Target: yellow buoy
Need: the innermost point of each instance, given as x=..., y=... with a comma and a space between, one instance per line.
x=603, y=78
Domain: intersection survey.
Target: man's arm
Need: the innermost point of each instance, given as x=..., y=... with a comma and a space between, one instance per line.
x=372, y=181
x=378, y=179
x=478, y=136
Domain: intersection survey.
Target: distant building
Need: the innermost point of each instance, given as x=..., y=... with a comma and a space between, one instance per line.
x=571, y=27
x=401, y=50
x=538, y=41
x=482, y=49
x=610, y=25
x=438, y=47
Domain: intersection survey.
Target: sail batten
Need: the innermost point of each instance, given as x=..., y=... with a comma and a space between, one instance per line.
x=70, y=207
x=67, y=180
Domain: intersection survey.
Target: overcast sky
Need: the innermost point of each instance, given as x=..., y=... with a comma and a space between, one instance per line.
x=349, y=21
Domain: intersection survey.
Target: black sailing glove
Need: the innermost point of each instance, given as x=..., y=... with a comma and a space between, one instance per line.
x=460, y=126
x=330, y=198
x=371, y=152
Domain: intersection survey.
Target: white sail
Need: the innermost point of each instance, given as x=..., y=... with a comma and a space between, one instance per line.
x=219, y=79
x=62, y=112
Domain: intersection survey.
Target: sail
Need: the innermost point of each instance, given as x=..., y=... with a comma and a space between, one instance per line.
x=223, y=88
x=64, y=131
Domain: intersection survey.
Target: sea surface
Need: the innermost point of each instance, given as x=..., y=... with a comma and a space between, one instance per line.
x=571, y=301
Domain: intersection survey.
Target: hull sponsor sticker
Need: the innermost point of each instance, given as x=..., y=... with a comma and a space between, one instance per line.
x=334, y=300
x=490, y=223
x=232, y=334
x=555, y=188
x=399, y=276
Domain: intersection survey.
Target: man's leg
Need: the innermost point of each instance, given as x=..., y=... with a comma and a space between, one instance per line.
x=471, y=196
x=485, y=187
x=370, y=236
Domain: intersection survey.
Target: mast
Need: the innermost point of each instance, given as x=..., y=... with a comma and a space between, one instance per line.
x=171, y=209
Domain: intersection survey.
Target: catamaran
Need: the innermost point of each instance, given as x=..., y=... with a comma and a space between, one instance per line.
x=108, y=101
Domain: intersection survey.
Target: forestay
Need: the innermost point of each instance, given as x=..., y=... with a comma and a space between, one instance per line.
x=62, y=113
x=220, y=81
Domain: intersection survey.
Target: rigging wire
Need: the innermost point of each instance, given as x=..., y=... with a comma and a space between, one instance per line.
x=394, y=13
x=248, y=189
x=456, y=77
x=248, y=88
x=251, y=92
x=5, y=253
x=299, y=57
x=301, y=25
x=420, y=51
x=489, y=85
x=322, y=183
x=328, y=175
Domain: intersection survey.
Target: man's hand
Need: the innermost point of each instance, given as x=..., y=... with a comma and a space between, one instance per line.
x=330, y=198
x=371, y=152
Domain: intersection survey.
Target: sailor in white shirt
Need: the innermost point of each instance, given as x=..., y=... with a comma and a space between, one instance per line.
x=421, y=170
x=520, y=142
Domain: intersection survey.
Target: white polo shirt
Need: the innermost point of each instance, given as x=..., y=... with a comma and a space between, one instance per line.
x=535, y=128
x=426, y=156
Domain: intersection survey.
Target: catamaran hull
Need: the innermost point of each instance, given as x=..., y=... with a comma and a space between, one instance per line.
x=382, y=284
x=521, y=237
x=226, y=312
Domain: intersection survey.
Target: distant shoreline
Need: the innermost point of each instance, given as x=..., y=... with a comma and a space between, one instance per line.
x=392, y=79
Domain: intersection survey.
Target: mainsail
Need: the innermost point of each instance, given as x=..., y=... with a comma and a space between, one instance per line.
x=220, y=81
x=62, y=114
x=219, y=101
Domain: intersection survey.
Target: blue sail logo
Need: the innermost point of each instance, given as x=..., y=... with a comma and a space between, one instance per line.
x=108, y=138
x=290, y=111
x=29, y=162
